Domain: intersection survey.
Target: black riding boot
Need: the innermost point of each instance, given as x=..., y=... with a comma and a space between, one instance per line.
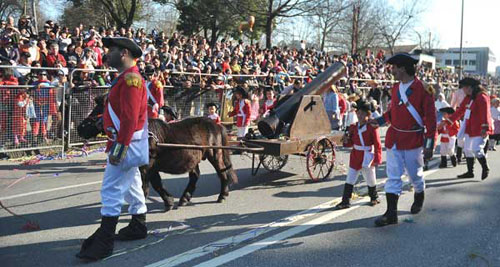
x=418, y=203
x=443, y=162
x=372, y=192
x=453, y=160
x=459, y=155
x=486, y=168
x=470, y=169
x=391, y=215
x=136, y=229
x=345, y=204
x=100, y=244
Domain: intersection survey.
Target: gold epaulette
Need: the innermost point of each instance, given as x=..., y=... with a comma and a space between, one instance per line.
x=428, y=88
x=133, y=79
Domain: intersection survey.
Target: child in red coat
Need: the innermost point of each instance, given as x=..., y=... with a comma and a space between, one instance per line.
x=448, y=132
x=270, y=102
x=212, y=112
x=241, y=111
x=365, y=155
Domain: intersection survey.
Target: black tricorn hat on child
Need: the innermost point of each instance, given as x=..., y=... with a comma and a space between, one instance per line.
x=363, y=105
x=448, y=110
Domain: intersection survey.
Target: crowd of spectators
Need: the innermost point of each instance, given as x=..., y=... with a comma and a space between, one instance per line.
x=215, y=67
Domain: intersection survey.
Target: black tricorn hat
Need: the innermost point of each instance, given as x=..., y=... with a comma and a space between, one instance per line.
x=468, y=82
x=170, y=111
x=150, y=69
x=241, y=90
x=363, y=105
x=448, y=110
x=402, y=59
x=212, y=104
x=123, y=42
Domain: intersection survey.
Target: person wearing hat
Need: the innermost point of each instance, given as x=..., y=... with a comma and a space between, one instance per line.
x=125, y=122
x=170, y=114
x=410, y=136
x=154, y=88
x=476, y=125
x=212, y=112
x=448, y=133
x=242, y=111
x=365, y=155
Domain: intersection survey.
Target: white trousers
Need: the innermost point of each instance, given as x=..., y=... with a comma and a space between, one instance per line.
x=119, y=185
x=474, y=146
x=448, y=149
x=461, y=142
x=368, y=173
x=242, y=131
x=399, y=160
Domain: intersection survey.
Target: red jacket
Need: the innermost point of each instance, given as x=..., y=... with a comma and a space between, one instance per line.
x=342, y=105
x=480, y=115
x=402, y=121
x=450, y=129
x=51, y=60
x=128, y=98
x=266, y=107
x=156, y=89
x=371, y=137
x=243, y=116
x=7, y=94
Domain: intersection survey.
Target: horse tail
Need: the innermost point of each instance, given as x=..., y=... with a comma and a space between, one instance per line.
x=227, y=157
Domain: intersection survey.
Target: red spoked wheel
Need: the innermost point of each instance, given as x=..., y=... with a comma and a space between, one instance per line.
x=320, y=159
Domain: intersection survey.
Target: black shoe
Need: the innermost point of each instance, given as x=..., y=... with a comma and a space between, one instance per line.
x=453, y=160
x=459, y=155
x=443, y=162
x=418, y=203
x=100, y=244
x=372, y=192
x=135, y=230
x=345, y=204
x=470, y=169
x=486, y=168
x=391, y=215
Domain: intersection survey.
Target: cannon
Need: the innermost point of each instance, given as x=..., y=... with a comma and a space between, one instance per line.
x=289, y=111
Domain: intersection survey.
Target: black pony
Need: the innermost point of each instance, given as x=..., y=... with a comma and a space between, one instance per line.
x=193, y=131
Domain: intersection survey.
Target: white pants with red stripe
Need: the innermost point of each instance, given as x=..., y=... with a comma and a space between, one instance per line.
x=122, y=185
x=448, y=148
x=368, y=173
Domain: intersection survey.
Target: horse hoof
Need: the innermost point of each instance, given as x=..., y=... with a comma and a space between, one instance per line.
x=168, y=208
x=183, y=202
x=221, y=199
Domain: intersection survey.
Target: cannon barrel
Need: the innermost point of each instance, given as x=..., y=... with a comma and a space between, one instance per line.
x=284, y=113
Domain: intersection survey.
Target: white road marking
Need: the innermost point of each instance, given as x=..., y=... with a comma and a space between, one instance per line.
x=49, y=190
x=234, y=240
x=278, y=237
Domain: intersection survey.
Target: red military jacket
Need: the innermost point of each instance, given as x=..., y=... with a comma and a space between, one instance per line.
x=371, y=137
x=242, y=114
x=7, y=94
x=267, y=106
x=402, y=131
x=480, y=115
x=449, y=130
x=156, y=90
x=128, y=99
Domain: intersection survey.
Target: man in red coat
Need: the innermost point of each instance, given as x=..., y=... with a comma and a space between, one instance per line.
x=412, y=118
x=365, y=155
x=125, y=122
x=155, y=92
x=475, y=109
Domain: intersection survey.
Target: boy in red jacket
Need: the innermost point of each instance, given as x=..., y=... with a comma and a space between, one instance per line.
x=448, y=133
x=241, y=111
x=365, y=155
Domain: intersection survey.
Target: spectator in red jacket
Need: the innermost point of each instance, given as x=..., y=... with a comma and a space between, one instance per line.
x=54, y=56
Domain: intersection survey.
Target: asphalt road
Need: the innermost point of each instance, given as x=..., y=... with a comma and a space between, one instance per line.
x=272, y=219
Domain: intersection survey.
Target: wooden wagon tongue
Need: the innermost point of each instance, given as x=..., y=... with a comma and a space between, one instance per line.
x=308, y=111
x=240, y=147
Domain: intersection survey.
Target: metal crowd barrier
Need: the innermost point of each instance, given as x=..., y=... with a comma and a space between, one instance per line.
x=30, y=118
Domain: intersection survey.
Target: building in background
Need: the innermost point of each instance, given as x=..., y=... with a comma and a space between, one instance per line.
x=476, y=60
x=497, y=72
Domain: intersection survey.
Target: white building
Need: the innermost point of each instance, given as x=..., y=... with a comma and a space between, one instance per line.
x=476, y=60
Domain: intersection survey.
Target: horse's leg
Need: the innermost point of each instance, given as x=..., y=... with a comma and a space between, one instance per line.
x=194, y=175
x=155, y=179
x=145, y=183
x=218, y=162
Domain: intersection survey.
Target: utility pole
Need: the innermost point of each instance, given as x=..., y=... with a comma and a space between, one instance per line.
x=460, y=73
x=355, y=27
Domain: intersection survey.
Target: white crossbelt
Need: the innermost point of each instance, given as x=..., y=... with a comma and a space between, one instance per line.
x=461, y=131
x=138, y=135
x=409, y=106
x=150, y=95
x=363, y=148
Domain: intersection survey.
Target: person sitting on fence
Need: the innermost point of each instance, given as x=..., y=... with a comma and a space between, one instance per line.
x=212, y=112
x=155, y=92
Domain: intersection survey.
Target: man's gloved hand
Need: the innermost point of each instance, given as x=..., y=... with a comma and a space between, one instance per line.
x=117, y=153
x=156, y=108
x=428, y=148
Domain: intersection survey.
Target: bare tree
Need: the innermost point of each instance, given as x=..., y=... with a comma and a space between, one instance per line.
x=393, y=24
x=426, y=40
x=326, y=16
x=10, y=8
